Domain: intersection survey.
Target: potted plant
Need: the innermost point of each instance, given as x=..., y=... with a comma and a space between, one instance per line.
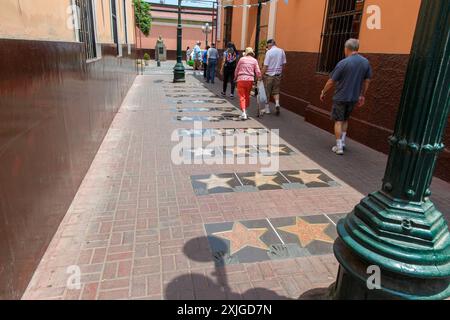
x=146, y=58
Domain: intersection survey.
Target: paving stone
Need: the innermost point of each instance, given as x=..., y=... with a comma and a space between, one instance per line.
x=141, y=227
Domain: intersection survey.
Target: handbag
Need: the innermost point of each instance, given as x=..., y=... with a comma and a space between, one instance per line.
x=262, y=97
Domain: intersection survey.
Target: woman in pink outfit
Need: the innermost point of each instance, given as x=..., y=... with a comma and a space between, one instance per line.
x=246, y=70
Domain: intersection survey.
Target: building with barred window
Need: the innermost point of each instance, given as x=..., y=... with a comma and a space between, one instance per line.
x=313, y=33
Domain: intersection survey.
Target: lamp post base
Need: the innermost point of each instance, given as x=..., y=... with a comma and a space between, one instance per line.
x=355, y=276
x=179, y=73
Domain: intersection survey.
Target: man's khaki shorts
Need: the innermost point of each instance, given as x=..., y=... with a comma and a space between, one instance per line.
x=272, y=85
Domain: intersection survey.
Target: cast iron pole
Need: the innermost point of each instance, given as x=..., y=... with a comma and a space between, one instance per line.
x=398, y=230
x=258, y=28
x=217, y=22
x=178, y=73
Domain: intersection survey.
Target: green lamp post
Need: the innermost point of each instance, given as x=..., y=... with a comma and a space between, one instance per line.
x=398, y=229
x=178, y=70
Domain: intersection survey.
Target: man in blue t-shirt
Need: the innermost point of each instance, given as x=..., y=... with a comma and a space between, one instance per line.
x=351, y=79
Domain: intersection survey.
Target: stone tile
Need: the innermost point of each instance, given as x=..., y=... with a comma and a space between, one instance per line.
x=135, y=213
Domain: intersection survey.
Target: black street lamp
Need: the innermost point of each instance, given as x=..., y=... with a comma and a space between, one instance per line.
x=258, y=28
x=258, y=25
x=178, y=70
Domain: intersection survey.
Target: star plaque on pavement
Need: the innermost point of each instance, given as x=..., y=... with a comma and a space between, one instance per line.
x=306, y=177
x=308, y=232
x=262, y=180
x=241, y=236
x=216, y=182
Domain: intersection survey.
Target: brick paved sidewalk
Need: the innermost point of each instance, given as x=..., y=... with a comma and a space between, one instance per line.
x=141, y=227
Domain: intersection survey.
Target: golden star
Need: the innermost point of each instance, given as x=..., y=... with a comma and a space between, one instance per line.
x=216, y=182
x=276, y=149
x=252, y=131
x=202, y=152
x=273, y=149
x=261, y=180
x=241, y=236
x=307, y=177
x=308, y=232
x=237, y=151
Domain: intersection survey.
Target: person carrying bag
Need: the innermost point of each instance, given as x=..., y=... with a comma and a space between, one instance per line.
x=261, y=97
x=246, y=70
x=229, y=64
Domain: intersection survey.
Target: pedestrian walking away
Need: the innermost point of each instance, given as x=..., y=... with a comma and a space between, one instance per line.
x=197, y=56
x=205, y=61
x=188, y=54
x=213, y=58
x=272, y=72
x=246, y=70
x=351, y=79
x=230, y=58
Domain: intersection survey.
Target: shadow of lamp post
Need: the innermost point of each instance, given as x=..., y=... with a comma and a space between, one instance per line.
x=178, y=71
x=398, y=230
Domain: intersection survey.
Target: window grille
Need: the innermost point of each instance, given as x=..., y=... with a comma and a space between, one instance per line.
x=86, y=28
x=125, y=20
x=341, y=22
x=114, y=24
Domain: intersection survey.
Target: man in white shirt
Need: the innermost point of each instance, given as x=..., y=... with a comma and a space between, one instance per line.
x=197, y=56
x=272, y=71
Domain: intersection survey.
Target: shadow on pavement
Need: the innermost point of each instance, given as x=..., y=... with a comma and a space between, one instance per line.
x=362, y=168
x=192, y=286
x=317, y=294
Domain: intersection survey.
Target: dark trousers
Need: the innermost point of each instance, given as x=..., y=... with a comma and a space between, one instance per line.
x=228, y=76
x=205, y=70
x=211, y=75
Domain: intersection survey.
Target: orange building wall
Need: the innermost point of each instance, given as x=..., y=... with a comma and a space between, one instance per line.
x=251, y=31
x=398, y=21
x=169, y=33
x=299, y=25
x=236, y=29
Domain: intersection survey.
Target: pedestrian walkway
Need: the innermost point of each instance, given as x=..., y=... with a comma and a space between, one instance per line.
x=144, y=227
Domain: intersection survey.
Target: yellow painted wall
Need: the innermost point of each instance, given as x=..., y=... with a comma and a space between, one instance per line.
x=39, y=20
x=398, y=23
x=50, y=20
x=130, y=20
x=103, y=21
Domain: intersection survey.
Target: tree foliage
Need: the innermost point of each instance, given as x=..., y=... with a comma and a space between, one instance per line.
x=143, y=16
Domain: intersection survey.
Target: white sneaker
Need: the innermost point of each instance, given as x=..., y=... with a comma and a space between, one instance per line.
x=267, y=110
x=338, y=151
x=243, y=116
x=232, y=96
